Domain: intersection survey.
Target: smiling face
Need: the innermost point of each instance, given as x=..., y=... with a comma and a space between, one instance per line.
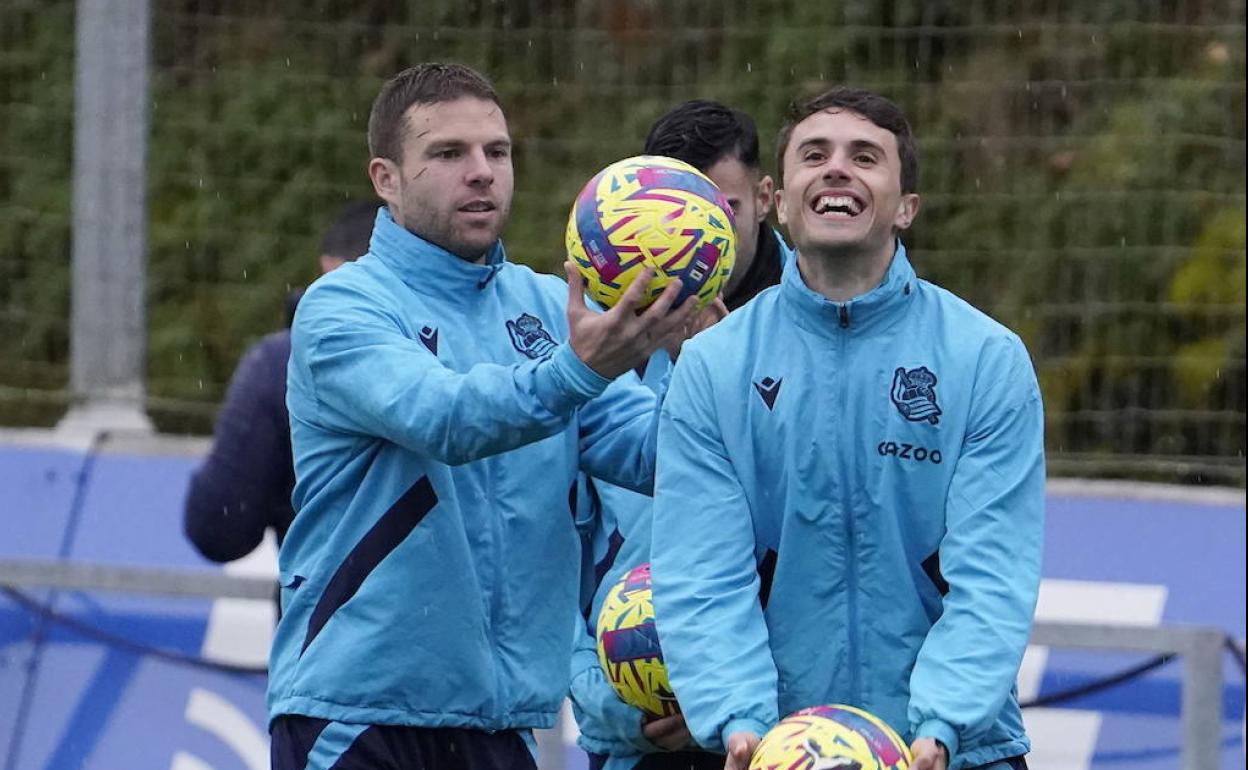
x=842, y=187
x=454, y=185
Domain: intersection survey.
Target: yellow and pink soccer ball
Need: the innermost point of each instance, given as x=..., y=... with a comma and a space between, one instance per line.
x=628, y=645
x=832, y=737
x=657, y=212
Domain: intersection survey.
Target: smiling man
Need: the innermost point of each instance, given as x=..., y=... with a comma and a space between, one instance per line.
x=849, y=501
x=427, y=581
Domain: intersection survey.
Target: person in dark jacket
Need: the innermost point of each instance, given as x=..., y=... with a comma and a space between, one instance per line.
x=243, y=486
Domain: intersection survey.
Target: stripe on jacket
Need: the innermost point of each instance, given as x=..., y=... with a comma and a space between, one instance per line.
x=391, y=529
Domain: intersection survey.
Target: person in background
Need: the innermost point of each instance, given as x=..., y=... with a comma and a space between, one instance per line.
x=849, y=506
x=243, y=486
x=722, y=143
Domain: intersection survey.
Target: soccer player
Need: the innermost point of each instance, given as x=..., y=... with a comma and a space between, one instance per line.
x=849, y=506
x=243, y=486
x=441, y=401
x=722, y=143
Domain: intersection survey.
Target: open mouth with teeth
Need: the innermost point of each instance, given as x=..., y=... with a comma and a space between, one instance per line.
x=477, y=207
x=837, y=206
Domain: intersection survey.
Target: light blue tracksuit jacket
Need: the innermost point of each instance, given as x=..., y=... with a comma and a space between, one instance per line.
x=849, y=509
x=438, y=420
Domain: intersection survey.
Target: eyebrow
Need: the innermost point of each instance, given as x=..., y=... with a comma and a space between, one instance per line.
x=856, y=144
x=453, y=142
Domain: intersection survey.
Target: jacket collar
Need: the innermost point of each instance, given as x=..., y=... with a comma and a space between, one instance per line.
x=428, y=268
x=875, y=309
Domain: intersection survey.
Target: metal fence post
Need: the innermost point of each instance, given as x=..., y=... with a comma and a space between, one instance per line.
x=1202, y=700
x=111, y=97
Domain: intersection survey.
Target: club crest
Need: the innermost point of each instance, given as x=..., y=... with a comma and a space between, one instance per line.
x=528, y=336
x=914, y=394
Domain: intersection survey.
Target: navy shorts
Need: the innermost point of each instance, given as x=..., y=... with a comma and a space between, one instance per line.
x=306, y=743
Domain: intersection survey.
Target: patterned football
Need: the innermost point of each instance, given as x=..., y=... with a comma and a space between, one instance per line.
x=657, y=212
x=831, y=738
x=628, y=645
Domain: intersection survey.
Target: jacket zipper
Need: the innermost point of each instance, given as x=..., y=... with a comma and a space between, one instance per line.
x=851, y=560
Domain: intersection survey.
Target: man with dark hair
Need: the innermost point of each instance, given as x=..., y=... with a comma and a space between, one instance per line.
x=854, y=515
x=243, y=487
x=441, y=403
x=722, y=143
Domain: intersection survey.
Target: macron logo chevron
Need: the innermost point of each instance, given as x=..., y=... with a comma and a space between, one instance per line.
x=768, y=389
x=429, y=336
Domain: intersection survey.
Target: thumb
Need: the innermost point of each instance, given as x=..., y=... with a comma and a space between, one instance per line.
x=576, y=287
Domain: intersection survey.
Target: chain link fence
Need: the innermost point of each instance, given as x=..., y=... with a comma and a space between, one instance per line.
x=1083, y=175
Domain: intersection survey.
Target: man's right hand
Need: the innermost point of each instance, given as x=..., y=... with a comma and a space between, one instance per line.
x=621, y=339
x=741, y=748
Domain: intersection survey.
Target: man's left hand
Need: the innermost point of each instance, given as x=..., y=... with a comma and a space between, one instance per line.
x=929, y=754
x=669, y=733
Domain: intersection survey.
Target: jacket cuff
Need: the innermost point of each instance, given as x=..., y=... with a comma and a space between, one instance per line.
x=742, y=725
x=564, y=382
x=941, y=731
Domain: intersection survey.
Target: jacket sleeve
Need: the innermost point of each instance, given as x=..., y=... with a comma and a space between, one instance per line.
x=619, y=429
x=607, y=724
x=704, y=572
x=367, y=377
x=244, y=484
x=990, y=555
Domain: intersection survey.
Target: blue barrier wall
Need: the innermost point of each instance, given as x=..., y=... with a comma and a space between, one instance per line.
x=71, y=701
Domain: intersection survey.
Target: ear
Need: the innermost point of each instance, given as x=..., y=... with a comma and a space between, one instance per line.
x=782, y=209
x=765, y=194
x=386, y=178
x=907, y=211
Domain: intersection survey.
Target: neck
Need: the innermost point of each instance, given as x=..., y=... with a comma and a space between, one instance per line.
x=842, y=275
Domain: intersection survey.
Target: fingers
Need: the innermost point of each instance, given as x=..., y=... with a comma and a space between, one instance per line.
x=740, y=749
x=663, y=727
x=627, y=306
x=664, y=302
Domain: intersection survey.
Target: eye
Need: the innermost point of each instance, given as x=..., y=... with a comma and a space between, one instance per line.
x=446, y=154
x=813, y=156
x=865, y=159
x=500, y=153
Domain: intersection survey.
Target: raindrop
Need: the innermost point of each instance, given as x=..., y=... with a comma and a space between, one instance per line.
x=244, y=273
x=749, y=66
x=187, y=244
x=287, y=62
x=201, y=183
x=976, y=183
x=43, y=75
x=1122, y=241
x=201, y=384
x=555, y=81
x=1020, y=33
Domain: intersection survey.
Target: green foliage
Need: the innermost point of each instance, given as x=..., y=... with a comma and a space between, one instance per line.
x=1082, y=174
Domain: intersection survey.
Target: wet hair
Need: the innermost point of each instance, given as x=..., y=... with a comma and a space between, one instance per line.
x=702, y=133
x=348, y=235
x=875, y=108
x=429, y=83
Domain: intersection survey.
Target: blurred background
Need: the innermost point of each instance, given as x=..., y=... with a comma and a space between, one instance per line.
x=1083, y=181
x=1082, y=175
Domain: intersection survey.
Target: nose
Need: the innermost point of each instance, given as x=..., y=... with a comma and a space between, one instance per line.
x=479, y=172
x=837, y=167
